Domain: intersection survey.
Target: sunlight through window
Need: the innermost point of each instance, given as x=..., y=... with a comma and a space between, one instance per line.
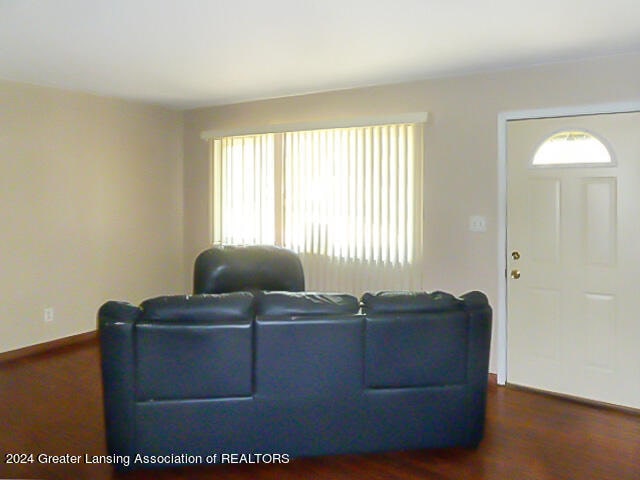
x=572, y=147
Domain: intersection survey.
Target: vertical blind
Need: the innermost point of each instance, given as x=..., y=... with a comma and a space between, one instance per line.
x=244, y=177
x=348, y=200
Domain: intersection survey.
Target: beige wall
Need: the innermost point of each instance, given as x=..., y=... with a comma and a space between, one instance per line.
x=92, y=190
x=90, y=208
x=460, y=142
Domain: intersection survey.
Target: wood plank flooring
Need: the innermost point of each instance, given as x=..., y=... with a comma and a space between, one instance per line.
x=51, y=404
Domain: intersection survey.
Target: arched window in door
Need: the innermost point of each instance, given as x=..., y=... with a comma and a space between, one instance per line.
x=572, y=147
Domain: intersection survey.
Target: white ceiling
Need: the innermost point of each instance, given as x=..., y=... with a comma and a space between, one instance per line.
x=191, y=53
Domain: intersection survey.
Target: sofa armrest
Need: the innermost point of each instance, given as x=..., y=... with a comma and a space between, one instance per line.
x=480, y=315
x=480, y=320
x=116, y=322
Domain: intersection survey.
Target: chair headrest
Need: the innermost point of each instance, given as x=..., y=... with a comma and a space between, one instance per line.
x=225, y=268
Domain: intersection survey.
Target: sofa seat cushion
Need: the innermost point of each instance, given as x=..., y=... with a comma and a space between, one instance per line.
x=205, y=308
x=409, y=302
x=305, y=304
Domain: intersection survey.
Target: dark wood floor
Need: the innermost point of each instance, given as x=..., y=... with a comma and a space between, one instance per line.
x=51, y=404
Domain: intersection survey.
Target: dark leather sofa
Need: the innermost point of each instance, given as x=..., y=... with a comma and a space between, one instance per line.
x=238, y=368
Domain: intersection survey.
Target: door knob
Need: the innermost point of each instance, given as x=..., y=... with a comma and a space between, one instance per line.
x=515, y=255
x=515, y=274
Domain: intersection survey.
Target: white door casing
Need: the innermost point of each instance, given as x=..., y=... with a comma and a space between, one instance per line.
x=571, y=322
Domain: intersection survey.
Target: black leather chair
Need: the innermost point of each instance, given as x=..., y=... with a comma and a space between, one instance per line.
x=227, y=268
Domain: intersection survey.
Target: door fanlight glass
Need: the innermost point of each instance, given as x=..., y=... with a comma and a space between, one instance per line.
x=572, y=147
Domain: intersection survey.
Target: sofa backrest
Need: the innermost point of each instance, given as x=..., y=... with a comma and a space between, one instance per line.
x=294, y=304
x=302, y=343
x=196, y=346
x=225, y=268
x=420, y=339
x=308, y=345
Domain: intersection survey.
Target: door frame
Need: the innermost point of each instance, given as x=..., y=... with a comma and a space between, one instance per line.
x=501, y=313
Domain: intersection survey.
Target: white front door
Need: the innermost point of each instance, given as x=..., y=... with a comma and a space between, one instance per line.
x=573, y=240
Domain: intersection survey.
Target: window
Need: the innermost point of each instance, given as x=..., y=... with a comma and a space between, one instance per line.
x=572, y=147
x=348, y=197
x=244, y=190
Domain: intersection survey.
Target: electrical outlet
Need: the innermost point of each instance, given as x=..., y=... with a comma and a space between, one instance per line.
x=48, y=314
x=477, y=223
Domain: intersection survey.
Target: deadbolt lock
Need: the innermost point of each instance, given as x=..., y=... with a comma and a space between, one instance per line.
x=515, y=274
x=515, y=255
